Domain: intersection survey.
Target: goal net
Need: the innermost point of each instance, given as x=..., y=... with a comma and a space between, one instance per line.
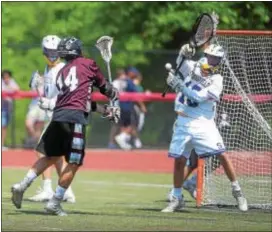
x=244, y=117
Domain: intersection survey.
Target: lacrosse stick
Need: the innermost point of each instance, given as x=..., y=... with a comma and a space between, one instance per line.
x=104, y=44
x=203, y=30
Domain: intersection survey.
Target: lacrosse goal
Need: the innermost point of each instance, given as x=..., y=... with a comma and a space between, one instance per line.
x=247, y=102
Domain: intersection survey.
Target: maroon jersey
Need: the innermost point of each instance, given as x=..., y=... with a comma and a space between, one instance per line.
x=75, y=82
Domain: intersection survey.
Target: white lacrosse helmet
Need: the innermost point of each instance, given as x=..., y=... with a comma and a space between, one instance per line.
x=49, y=45
x=214, y=55
x=215, y=50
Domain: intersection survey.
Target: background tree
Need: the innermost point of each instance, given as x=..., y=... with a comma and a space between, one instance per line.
x=141, y=30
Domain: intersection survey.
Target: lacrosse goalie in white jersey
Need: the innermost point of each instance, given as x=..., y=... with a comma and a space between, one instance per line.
x=47, y=82
x=198, y=86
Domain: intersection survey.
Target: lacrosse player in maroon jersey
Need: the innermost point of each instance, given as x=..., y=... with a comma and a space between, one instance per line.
x=65, y=134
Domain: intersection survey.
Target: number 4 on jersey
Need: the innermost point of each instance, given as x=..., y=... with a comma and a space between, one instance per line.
x=70, y=81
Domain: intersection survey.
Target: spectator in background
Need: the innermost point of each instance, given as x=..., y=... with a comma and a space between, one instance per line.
x=138, y=114
x=8, y=85
x=34, y=123
x=139, y=108
x=124, y=84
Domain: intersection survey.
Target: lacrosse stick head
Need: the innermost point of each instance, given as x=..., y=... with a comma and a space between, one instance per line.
x=104, y=44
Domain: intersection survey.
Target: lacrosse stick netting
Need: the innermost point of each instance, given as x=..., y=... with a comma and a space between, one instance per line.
x=104, y=44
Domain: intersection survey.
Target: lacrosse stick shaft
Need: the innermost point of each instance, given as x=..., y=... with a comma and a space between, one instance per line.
x=109, y=77
x=109, y=71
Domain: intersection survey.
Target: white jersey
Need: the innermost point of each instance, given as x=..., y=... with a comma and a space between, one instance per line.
x=200, y=94
x=50, y=88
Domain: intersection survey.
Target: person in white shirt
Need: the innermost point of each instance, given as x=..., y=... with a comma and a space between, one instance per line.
x=9, y=85
x=198, y=86
x=46, y=86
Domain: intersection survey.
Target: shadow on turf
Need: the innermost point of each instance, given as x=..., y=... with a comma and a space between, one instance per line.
x=33, y=212
x=159, y=201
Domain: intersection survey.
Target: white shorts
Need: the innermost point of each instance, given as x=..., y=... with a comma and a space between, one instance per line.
x=202, y=135
x=36, y=114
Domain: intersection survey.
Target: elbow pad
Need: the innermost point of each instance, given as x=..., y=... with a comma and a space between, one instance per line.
x=109, y=91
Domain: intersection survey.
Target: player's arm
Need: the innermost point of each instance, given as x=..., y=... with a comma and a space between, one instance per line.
x=110, y=112
x=196, y=93
x=107, y=89
x=211, y=93
x=103, y=85
x=51, y=92
x=184, y=61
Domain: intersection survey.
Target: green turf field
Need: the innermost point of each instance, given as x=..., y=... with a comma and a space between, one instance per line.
x=123, y=202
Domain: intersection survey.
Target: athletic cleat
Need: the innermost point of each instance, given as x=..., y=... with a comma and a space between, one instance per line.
x=122, y=143
x=241, y=200
x=69, y=196
x=42, y=196
x=53, y=207
x=175, y=205
x=17, y=195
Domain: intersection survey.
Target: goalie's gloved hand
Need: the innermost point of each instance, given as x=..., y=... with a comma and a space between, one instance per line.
x=112, y=113
x=174, y=82
x=46, y=104
x=187, y=51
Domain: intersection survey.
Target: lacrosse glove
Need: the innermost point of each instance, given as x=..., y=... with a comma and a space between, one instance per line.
x=174, y=82
x=46, y=104
x=112, y=113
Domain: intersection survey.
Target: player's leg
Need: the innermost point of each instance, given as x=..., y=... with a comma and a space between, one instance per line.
x=48, y=145
x=180, y=149
x=69, y=195
x=19, y=188
x=30, y=121
x=46, y=191
x=208, y=142
x=236, y=189
x=189, y=184
x=73, y=147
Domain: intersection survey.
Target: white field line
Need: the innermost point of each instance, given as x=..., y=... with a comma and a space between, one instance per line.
x=50, y=228
x=143, y=185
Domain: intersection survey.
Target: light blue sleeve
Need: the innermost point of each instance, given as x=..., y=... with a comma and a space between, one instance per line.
x=211, y=93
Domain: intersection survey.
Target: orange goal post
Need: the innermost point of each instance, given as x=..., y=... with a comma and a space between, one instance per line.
x=247, y=71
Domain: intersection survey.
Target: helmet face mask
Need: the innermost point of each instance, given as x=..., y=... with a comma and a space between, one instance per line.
x=49, y=46
x=213, y=60
x=214, y=55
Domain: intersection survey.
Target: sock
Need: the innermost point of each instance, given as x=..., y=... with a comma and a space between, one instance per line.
x=177, y=192
x=60, y=191
x=29, y=178
x=47, y=185
x=235, y=186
